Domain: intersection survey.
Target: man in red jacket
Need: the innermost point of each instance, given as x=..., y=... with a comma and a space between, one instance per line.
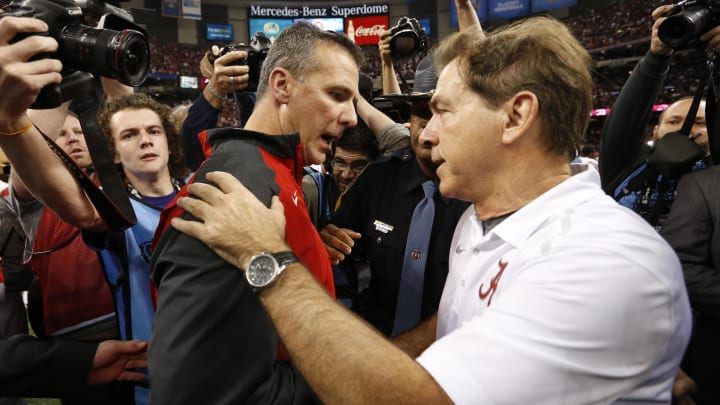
x=208, y=315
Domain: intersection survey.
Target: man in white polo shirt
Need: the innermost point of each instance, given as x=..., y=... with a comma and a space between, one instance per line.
x=555, y=293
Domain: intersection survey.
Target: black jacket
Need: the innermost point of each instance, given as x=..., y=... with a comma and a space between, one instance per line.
x=388, y=191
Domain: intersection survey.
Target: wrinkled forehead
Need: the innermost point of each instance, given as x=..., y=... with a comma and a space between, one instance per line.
x=448, y=84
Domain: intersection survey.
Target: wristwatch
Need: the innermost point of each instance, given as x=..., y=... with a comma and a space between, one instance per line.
x=264, y=268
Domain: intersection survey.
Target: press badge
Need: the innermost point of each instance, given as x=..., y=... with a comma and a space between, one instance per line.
x=382, y=226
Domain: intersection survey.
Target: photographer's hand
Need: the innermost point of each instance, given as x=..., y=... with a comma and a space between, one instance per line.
x=21, y=80
x=384, y=47
x=226, y=78
x=712, y=38
x=656, y=45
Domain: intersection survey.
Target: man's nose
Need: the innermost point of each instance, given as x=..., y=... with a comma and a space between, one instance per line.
x=348, y=117
x=348, y=172
x=74, y=137
x=145, y=138
x=429, y=133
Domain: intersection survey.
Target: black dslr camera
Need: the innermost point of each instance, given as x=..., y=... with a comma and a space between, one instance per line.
x=119, y=52
x=408, y=37
x=256, y=53
x=687, y=21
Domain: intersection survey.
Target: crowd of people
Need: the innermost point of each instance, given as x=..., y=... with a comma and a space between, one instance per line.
x=614, y=25
x=280, y=239
x=616, y=31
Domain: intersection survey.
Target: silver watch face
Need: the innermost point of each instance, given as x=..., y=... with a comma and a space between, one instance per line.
x=261, y=270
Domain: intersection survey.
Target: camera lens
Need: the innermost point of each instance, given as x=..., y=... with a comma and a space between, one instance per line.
x=677, y=30
x=132, y=57
x=404, y=43
x=122, y=55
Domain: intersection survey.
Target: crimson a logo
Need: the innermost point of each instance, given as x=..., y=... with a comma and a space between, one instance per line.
x=490, y=292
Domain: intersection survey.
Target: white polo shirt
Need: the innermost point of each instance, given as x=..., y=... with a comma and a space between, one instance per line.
x=573, y=299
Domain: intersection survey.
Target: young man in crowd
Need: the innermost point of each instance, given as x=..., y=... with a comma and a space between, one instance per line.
x=349, y=156
x=522, y=302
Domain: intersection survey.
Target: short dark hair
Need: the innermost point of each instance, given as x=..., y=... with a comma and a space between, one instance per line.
x=359, y=139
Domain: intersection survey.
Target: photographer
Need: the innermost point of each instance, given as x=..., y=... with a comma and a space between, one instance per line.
x=226, y=77
x=623, y=153
x=467, y=18
x=27, y=366
x=143, y=144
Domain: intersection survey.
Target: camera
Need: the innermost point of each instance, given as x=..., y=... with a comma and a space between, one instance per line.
x=256, y=53
x=119, y=52
x=687, y=21
x=407, y=37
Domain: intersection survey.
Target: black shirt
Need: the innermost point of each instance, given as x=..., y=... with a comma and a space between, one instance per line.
x=380, y=206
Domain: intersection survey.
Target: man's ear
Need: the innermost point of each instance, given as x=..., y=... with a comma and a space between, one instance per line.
x=655, y=132
x=280, y=85
x=520, y=114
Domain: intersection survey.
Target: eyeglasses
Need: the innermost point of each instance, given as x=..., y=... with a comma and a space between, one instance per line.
x=356, y=167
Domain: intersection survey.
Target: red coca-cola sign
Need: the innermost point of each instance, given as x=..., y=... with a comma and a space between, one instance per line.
x=366, y=30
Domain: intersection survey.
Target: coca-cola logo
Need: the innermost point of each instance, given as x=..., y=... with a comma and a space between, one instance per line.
x=362, y=31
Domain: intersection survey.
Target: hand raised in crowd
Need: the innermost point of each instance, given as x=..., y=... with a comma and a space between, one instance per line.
x=338, y=242
x=712, y=39
x=115, y=360
x=384, y=46
x=21, y=80
x=223, y=211
x=656, y=45
x=227, y=75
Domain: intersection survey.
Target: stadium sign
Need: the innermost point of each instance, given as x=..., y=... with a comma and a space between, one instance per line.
x=308, y=12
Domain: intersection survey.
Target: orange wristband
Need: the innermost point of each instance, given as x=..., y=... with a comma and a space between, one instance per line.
x=18, y=132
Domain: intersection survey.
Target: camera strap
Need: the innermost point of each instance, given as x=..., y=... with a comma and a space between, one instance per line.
x=106, y=207
x=676, y=153
x=692, y=113
x=404, y=88
x=110, y=199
